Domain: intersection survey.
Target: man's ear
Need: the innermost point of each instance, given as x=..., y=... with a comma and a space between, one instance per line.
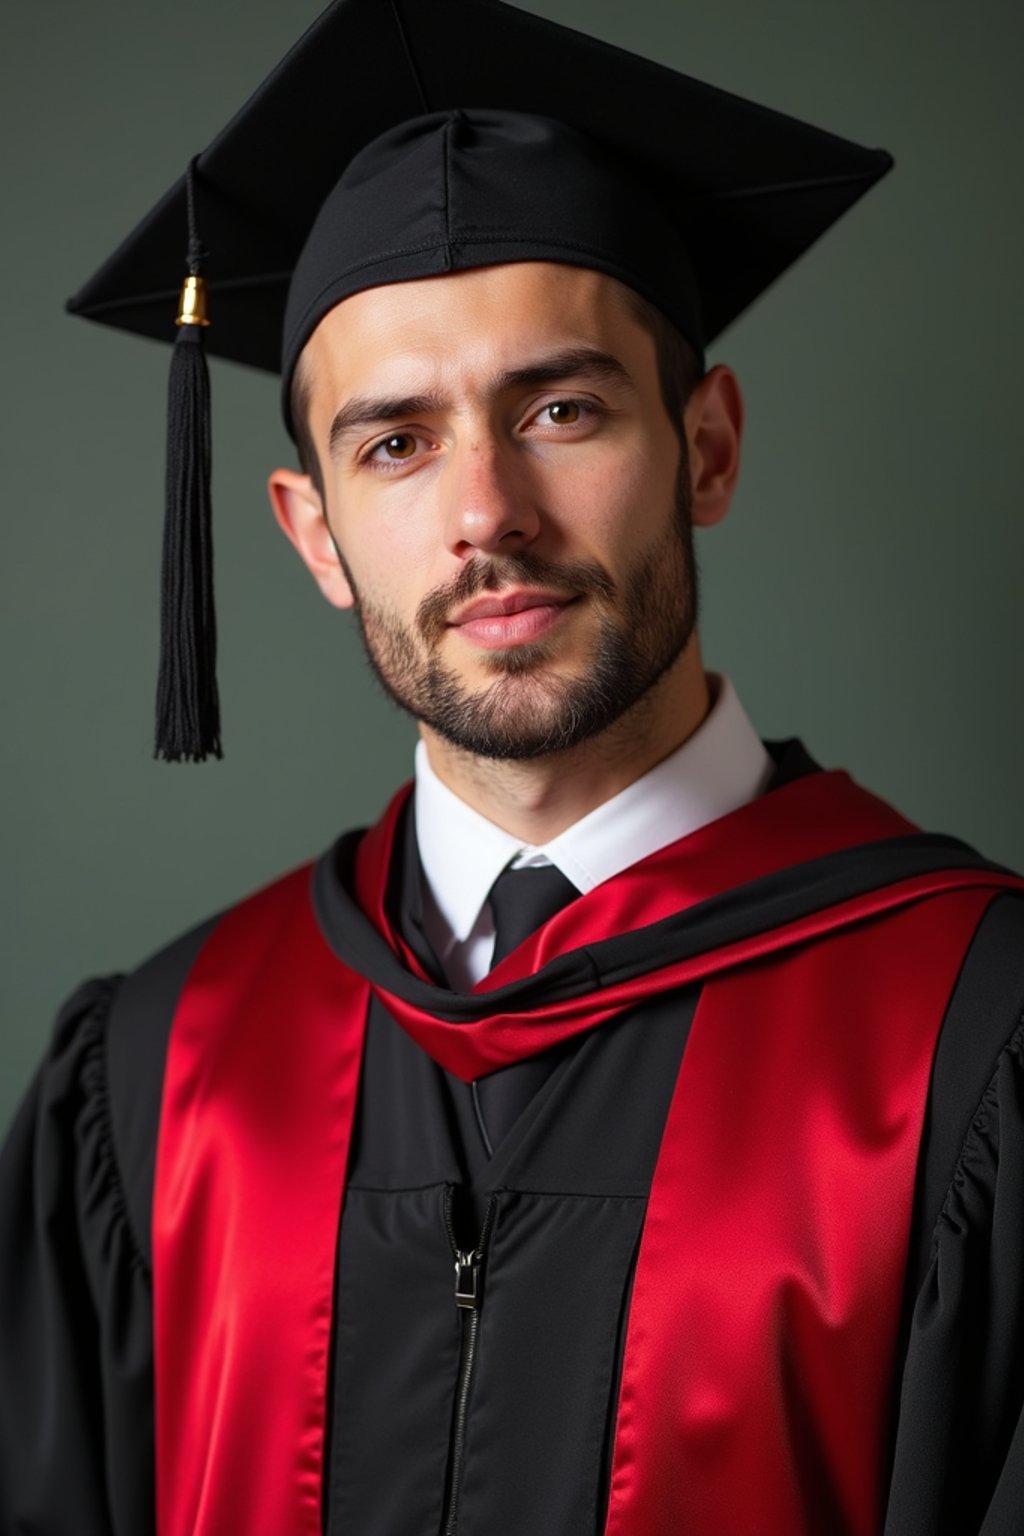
x=299, y=510
x=713, y=419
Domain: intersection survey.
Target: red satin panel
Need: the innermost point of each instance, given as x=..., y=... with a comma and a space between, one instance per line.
x=259, y=1096
x=759, y=1351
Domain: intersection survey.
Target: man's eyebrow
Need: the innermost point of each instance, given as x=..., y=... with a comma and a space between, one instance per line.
x=370, y=410
x=570, y=363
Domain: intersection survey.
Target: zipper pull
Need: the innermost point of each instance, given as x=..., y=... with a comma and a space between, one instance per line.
x=467, y=1280
x=468, y=1261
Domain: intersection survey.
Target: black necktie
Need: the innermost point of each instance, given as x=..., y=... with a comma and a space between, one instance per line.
x=521, y=900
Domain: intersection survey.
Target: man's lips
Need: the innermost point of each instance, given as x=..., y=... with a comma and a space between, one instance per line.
x=510, y=619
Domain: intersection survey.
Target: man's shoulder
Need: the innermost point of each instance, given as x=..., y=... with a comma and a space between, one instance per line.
x=981, y=1030
x=138, y=1031
x=148, y=994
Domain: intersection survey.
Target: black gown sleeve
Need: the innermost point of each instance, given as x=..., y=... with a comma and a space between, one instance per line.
x=959, y=1455
x=76, y=1378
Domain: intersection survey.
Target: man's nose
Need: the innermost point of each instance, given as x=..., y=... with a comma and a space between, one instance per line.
x=491, y=503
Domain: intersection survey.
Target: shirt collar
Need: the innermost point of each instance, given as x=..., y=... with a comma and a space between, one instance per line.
x=462, y=853
x=722, y=766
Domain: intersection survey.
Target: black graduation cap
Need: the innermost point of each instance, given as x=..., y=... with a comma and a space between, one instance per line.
x=403, y=138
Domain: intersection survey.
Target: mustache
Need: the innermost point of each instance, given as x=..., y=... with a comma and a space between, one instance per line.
x=577, y=578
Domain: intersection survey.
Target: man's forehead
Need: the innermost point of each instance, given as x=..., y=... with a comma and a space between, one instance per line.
x=461, y=321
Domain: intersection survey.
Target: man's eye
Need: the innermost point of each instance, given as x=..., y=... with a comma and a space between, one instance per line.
x=400, y=445
x=563, y=412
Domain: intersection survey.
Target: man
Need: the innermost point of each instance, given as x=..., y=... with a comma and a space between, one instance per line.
x=666, y=1086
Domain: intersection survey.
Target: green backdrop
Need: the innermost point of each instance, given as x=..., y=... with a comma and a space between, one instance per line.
x=865, y=591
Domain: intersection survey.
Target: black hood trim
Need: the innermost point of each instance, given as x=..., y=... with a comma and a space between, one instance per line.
x=757, y=907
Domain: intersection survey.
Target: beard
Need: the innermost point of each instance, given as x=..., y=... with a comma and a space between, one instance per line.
x=527, y=710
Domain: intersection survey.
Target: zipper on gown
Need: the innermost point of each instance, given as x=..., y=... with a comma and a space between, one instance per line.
x=469, y=1264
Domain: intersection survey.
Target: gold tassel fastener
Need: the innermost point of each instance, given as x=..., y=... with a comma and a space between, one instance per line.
x=192, y=304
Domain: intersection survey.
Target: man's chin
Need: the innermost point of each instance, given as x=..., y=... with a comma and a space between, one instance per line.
x=505, y=746
x=534, y=665
x=518, y=717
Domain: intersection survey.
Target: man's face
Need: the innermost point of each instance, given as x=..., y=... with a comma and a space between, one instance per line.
x=508, y=498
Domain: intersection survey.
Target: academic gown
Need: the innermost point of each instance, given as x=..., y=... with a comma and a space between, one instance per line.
x=498, y=1419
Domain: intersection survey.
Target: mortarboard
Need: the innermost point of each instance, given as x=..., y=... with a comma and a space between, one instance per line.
x=400, y=139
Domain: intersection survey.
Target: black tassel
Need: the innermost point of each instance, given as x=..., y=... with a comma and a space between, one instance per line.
x=187, y=706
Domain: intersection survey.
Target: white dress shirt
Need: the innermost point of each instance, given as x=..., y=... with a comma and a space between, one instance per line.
x=720, y=767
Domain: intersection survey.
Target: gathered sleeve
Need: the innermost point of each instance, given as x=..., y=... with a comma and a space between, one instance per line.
x=76, y=1371
x=959, y=1453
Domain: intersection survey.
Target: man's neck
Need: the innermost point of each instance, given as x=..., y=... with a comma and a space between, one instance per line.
x=536, y=799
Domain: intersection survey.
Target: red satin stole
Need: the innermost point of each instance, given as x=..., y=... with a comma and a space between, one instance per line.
x=759, y=1349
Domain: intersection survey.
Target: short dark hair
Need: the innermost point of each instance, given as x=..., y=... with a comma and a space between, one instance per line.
x=680, y=370
x=680, y=363
x=298, y=405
